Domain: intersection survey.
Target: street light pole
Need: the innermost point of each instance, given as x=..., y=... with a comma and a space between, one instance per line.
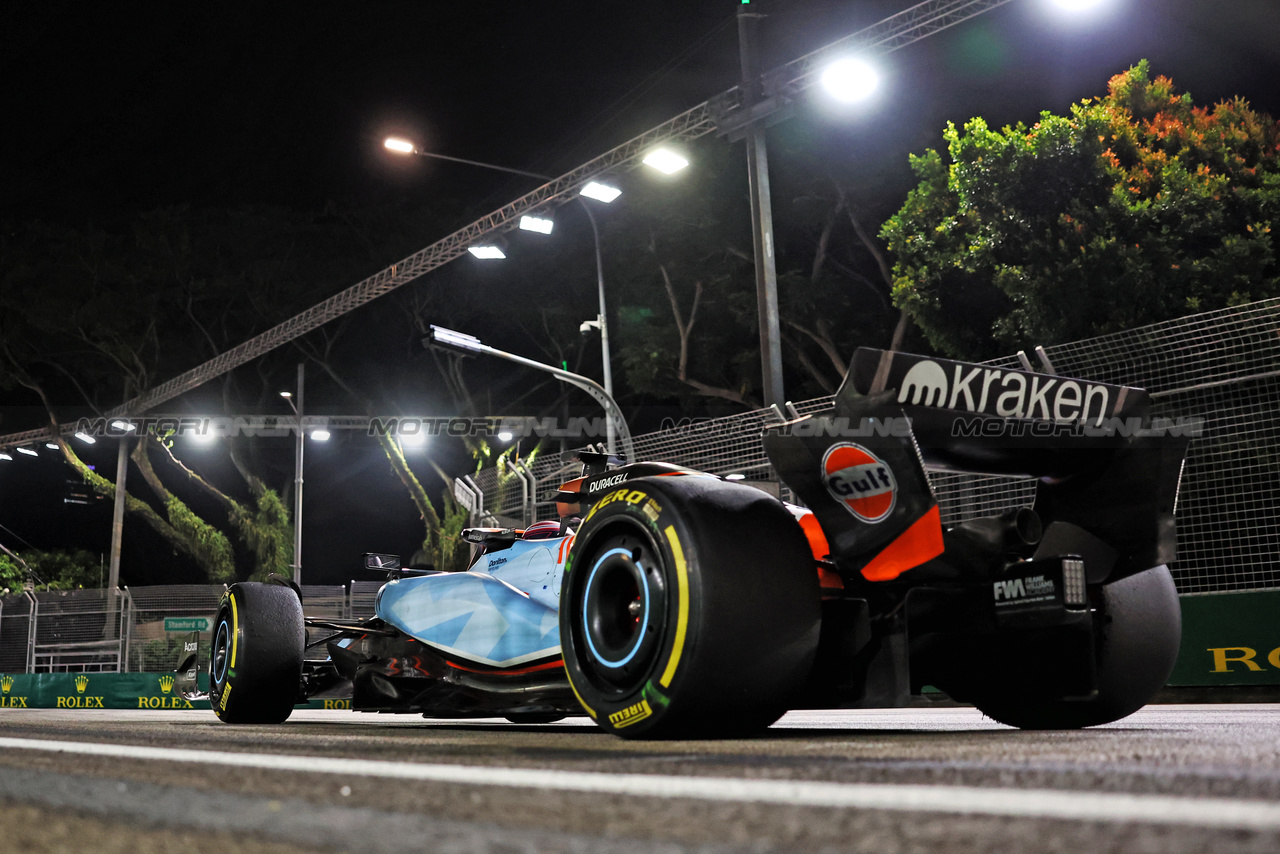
x=611, y=437
x=117, y=516
x=297, y=483
x=761, y=219
x=471, y=344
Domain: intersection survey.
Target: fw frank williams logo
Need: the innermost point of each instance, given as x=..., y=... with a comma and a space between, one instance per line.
x=861, y=481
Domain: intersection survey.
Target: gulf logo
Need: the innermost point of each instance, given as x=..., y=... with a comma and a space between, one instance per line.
x=861, y=480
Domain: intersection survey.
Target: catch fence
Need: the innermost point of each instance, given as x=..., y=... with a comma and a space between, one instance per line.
x=1221, y=366
x=138, y=629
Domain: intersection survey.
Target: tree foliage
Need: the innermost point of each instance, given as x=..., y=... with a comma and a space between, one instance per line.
x=57, y=569
x=683, y=280
x=1136, y=207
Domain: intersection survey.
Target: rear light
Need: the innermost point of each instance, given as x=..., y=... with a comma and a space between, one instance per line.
x=1073, y=584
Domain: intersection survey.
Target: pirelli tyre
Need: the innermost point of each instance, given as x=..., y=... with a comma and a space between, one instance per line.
x=255, y=665
x=689, y=608
x=1138, y=631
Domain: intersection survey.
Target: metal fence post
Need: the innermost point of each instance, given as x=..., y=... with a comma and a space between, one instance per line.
x=125, y=631
x=31, y=632
x=479, y=494
x=526, y=493
x=466, y=497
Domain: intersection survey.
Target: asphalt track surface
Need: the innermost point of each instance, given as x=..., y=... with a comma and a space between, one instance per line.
x=1168, y=779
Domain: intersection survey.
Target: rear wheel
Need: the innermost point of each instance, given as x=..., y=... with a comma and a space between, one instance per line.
x=690, y=607
x=255, y=667
x=1138, y=630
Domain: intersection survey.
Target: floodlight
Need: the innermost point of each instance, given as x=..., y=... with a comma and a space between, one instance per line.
x=665, y=160
x=412, y=440
x=204, y=437
x=123, y=425
x=487, y=252
x=286, y=394
x=86, y=438
x=4, y=456
x=402, y=146
x=320, y=435
x=536, y=223
x=850, y=79
x=28, y=452
x=601, y=192
x=53, y=446
x=1077, y=5
x=460, y=340
x=505, y=436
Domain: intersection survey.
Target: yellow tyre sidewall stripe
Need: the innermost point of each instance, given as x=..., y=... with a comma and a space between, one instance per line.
x=682, y=613
x=590, y=711
x=235, y=631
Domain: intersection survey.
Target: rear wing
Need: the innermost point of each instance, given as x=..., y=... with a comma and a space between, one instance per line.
x=979, y=418
x=1101, y=463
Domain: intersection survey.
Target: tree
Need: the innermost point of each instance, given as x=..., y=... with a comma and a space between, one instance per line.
x=91, y=315
x=1136, y=207
x=688, y=322
x=58, y=569
x=442, y=545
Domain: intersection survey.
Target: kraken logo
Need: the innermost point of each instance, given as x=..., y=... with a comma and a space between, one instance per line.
x=925, y=384
x=82, y=682
x=166, y=683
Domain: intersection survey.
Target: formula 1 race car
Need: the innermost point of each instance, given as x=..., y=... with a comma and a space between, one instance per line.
x=683, y=604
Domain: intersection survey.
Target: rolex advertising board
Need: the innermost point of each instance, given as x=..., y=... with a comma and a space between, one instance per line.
x=153, y=691
x=1229, y=639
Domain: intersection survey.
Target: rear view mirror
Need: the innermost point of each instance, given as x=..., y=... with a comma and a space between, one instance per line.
x=381, y=562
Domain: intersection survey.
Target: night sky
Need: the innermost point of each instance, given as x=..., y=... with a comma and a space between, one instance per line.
x=114, y=109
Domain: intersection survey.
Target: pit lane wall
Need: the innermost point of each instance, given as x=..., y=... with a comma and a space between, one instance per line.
x=151, y=691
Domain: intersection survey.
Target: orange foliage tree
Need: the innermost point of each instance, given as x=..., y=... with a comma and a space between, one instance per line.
x=1136, y=207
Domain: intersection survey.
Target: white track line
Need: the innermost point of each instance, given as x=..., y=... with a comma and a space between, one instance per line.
x=961, y=800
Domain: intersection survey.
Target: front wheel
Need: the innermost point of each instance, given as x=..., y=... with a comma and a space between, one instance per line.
x=690, y=607
x=255, y=667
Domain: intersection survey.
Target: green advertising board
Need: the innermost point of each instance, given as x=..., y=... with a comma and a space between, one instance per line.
x=93, y=691
x=153, y=691
x=1229, y=639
